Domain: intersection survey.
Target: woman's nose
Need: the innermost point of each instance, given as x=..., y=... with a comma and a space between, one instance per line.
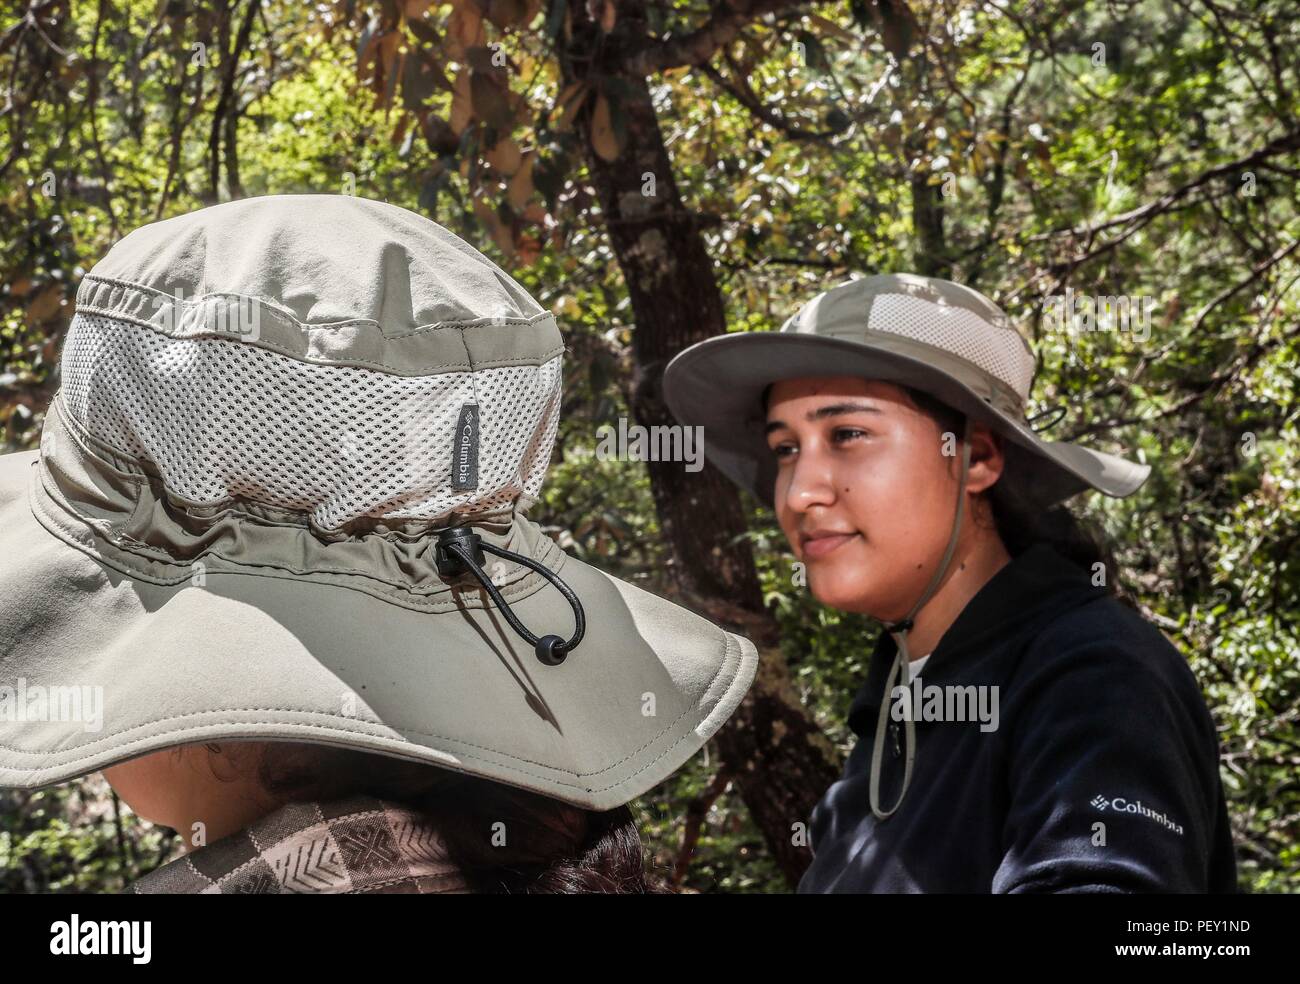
x=811, y=482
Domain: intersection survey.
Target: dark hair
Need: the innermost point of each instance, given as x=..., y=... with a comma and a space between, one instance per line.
x=1018, y=522
x=552, y=847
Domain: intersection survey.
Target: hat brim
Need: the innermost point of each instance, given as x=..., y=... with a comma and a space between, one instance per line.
x=272, y=655
x=718, y=384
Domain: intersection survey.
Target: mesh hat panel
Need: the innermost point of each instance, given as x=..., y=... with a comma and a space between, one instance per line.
x=1001, y=352
x=221, y=419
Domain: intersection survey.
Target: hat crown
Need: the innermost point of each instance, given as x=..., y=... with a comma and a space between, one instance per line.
x=326, y=355
x=938, y=313
x=324, y=259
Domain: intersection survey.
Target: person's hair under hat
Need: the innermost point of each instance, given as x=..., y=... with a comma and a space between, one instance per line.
x=1019, y=522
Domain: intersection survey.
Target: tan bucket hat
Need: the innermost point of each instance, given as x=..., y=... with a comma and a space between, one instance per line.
x=281, y=494
x=940, y=337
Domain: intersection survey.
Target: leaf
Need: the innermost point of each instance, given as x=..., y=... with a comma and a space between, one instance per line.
x=837, y=121
x=521, y=185
x=570, y=101
x=830, y=27
x=505, y=156
x=419, y=79
x=438, y=134
x=426, y=32
x=521, y=108
x=366, y=43
x=814, y=53
x=45, y=304
x=549, y=174
x=390, y=64
x=506, y=13
x=462, y=103
x=480, y=58
x=604, y=141
x=500, y=231
x=400, y=132
x=490, y=101
x=464, y=30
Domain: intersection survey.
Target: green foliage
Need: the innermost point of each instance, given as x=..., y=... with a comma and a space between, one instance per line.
x=1168, y=171
x=74, y=839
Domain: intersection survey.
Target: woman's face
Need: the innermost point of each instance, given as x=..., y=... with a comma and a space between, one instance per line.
x=865, y=492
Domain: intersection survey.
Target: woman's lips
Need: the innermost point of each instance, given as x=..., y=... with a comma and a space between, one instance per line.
x=820, y=546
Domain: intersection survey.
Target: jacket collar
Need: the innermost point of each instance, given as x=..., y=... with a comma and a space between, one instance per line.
x=348, y=846
x=1036, y=584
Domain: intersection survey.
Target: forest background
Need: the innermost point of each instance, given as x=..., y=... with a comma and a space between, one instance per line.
x=659, y=172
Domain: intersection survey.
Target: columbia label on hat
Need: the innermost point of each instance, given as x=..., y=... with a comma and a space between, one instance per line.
x=464, y=466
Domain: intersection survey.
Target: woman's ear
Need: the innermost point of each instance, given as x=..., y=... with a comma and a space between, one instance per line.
x=986, y=458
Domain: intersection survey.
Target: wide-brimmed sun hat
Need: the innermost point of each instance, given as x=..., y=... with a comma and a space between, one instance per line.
x=281, y=494
x=937, y=336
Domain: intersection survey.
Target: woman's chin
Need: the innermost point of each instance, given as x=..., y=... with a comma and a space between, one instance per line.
x=847, y=594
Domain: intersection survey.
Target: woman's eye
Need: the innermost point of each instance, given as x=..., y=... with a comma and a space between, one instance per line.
x=784, y=449
x=842, y=434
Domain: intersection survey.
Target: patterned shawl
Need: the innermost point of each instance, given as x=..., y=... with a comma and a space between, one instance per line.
x=349, y=846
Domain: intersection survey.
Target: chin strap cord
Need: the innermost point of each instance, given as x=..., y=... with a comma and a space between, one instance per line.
x=460, y=550
x=902, y=660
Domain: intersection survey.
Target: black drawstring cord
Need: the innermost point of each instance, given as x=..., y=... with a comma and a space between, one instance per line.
x=1057, y=413
x=460, y=549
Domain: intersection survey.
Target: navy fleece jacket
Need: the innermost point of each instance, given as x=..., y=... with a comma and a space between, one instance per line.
x=1102, y=774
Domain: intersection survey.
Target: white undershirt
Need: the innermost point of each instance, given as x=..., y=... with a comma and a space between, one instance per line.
x=915, y=666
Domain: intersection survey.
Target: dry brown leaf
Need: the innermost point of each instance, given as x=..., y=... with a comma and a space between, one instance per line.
x=464, y=30
x=523, y=109
x=571, y=99
x=505, y=156
x=830, y=27
x=388, y=62
x=45, y=304
x=521, y=185
x=499, y=231
x=603, y=139
x=462, y=103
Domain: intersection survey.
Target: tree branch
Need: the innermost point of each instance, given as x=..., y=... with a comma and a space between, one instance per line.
x=728, y=19
x=1285, y=144
x=696, y=811
x=746, y=96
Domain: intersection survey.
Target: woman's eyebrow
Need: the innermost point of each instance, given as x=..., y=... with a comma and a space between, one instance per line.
x=830, y=410
x=836, y=409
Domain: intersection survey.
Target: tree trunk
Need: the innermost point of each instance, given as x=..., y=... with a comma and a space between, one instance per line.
x=780, y=761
